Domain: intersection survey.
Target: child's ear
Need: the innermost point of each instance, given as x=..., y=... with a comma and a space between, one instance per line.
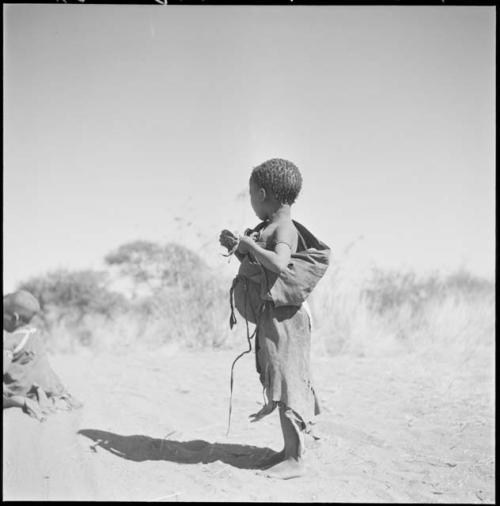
x=262, y=194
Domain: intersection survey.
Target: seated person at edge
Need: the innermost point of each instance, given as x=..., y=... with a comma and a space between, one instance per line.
x=29, y=381
x=281, y=262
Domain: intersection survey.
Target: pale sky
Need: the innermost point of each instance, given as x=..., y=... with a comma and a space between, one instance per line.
x=119, y=119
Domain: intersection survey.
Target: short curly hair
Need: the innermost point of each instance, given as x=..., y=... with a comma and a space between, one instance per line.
x=280, y=177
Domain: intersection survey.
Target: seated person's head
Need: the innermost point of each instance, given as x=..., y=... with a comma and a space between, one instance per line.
x=19, y=308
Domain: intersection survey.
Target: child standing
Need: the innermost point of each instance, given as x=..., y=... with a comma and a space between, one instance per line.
x=281, y=262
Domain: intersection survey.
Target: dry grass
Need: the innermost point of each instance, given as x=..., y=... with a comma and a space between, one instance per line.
x=437, y=317
x=355, y=311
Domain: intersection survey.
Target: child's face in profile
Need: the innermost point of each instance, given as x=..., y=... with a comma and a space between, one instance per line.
x=12, y=320
x=9, y=321
x=257, y=199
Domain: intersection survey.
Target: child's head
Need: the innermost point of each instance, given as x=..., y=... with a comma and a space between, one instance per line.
x=19, y=308
x=276, y=181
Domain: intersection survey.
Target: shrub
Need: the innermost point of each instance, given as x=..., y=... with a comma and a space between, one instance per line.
x=385, y=311
x=151, y=266
x=66, y=297
x=177, y=298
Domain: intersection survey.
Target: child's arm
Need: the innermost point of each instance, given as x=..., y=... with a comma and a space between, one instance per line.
x=277, y=260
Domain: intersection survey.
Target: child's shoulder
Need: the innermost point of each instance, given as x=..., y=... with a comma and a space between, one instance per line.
x=282, y=231
x=285, y=231
x=270, y=227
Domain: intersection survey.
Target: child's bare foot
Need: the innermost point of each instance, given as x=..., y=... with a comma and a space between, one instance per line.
x=274, y=459
x=73, y=402
x=285, y=470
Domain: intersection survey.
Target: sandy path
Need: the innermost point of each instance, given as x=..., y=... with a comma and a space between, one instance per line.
x=393, y=429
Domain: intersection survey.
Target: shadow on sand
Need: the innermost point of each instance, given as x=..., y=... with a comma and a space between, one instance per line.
x=141, y=448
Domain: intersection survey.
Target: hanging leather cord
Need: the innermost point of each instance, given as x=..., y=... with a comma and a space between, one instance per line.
x=232, y=322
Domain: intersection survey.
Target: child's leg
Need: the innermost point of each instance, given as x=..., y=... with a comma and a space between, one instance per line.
x=290, y=463
x=15, y=401
x=289, y=439
x=292, y=433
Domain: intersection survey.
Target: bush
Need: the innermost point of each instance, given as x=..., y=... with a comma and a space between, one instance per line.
x=386, y=311
x=176, y=298
x=75, y=292
x=389, y=290
x=66, y=297
x=196, y=315
x=151, y=267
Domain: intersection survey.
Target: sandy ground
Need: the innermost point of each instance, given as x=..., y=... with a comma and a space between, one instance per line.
x=393, y=429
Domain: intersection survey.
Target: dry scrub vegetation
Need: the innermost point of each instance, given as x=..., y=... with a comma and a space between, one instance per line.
x=150, y=295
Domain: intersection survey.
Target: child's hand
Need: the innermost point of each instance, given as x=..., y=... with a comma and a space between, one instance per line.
x=228, y=239
x=244, y=244
x=247, y=241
